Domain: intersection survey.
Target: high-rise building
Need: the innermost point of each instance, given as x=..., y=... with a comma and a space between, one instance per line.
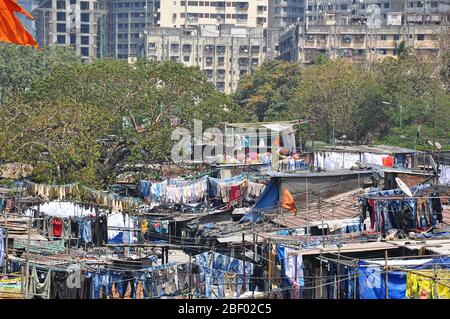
x=69, y=22
x=368, y=31
x=29, y=6
x=270, y=15
x=224, y=53
x=125, y=25
x=180, y=13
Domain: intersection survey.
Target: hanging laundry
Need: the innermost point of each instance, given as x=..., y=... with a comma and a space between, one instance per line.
x=39, y=289
x=287, y=201
x=57, y=226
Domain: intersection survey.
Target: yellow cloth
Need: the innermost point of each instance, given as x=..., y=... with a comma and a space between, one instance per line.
x=421, y=285
x=144, y=226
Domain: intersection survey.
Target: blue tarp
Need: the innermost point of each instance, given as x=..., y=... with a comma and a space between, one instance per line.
x=372, y=279
x=372, y=283
x=252, y=217
x=267, y=200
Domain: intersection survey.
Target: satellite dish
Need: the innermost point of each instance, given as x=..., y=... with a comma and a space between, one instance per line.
x=403, y=187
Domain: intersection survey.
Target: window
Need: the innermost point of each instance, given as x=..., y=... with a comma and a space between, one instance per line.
x=186, y=58
x=60, y=4
x=84, y=17
x=61, y=39
x=61, y=27
x=396, y=37
x=84, y=28
x=420, y=37
x=73, y=38
x=84, y=5
x=386, y=5
x=84, y=39
x=383, y=37
x=61, y=16
x=85, y=51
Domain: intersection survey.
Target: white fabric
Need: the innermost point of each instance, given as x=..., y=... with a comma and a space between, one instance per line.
x=336, y=160
x=444, y=175
x=262, y=143
x=61, y=209
x=372, y=158
x=339, y=160
x=289, y=264
x=118, y=220
x=279, y=127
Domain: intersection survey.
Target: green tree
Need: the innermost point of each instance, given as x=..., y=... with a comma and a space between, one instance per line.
x=83, y=122
x=265, y=93
x=20, y=66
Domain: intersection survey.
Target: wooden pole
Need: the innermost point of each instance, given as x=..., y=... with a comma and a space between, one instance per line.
x=243, y=260
x=355, y=276
x=5, y=269
x=339, y=273
x=27, y=264
x=320, y=276
x=190, y=277
x=386, y=272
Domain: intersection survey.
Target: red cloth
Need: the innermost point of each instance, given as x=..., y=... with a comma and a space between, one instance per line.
x=388, y=161
x=57, y=227
x=235, y=194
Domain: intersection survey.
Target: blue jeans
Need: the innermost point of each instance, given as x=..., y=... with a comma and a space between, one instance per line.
x=209, y=280
x=219, y=276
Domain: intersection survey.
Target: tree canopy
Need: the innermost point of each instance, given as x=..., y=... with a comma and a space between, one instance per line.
x=363, y=102
x=82, y=122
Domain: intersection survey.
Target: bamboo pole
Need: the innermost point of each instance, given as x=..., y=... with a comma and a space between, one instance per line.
x=27, y=264
x=386, y=273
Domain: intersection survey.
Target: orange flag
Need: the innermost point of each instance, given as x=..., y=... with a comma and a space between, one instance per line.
x=287, y=201
x=11, y=30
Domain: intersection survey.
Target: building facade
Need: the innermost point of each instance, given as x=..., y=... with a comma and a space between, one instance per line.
x=181, y=13
x=125, y=25
x=224, y=53
x=371, y=35
x=271, y=15
x=29, y=6
x=70, y=22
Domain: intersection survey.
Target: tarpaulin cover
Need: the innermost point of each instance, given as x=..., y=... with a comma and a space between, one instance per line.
x=268, y=200
x=372, y=279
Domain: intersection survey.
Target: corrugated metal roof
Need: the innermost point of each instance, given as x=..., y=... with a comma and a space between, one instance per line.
x=343, y=206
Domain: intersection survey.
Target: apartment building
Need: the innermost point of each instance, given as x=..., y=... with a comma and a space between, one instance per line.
x=366, y=37
x=29, y=6
x=126, y=23
x=283, y=13
x=69, y=22
x=224, y=53
x=181, y=13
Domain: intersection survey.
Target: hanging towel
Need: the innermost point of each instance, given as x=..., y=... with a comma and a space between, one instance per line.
x=288, y=202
